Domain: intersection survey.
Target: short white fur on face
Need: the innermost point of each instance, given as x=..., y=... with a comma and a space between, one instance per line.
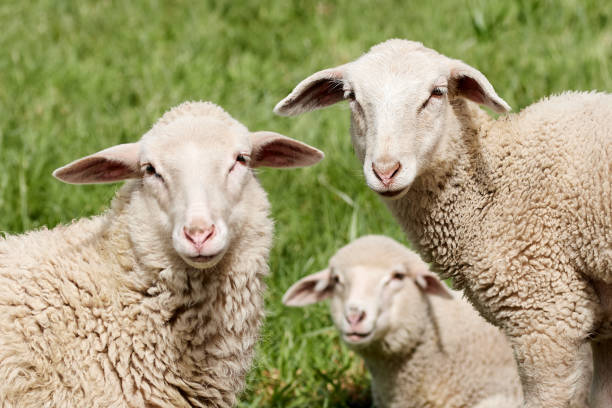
x=375, y=286
x=400, y=94
x=195, y=170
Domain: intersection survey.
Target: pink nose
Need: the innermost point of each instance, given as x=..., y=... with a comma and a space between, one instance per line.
x=386, y=171
x=355, y=317
x=198, y=235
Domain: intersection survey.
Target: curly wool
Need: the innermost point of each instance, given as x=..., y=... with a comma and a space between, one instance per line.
x=517, y=211
x=101, y=313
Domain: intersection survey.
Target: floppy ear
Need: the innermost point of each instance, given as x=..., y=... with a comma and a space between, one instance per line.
x=471, y=84
x=113, y=164
x=429, y=282
x=319, y=90
x=271, y=149
x=311, y=289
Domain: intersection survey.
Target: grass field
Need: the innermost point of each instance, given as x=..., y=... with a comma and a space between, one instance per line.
x=78, y=76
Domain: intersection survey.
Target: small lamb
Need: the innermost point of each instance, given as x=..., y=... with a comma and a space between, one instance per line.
x=424, y=346
x=518, y=210
x=158, y=301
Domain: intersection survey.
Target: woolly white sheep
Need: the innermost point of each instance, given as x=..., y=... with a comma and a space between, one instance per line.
x=158, y=301
x=423, y=345
x=518, y=210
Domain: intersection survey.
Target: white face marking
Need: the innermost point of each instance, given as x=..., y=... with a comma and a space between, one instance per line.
x=365, y=300
x=197, y=184
x=401, y=119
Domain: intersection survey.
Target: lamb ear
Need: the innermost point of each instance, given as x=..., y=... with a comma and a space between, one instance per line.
x=271, y=149
x=471, y=84
x=311, y=289
x=113, y=164
x=429, y=283
x=319, y=90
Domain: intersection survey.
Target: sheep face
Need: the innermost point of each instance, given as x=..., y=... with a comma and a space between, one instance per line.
x=377, y=290
x=194, y=172
x=400, y=95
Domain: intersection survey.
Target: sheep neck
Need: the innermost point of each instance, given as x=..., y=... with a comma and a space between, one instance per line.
x=201, y=325
x=451, y=194
x=400, y=373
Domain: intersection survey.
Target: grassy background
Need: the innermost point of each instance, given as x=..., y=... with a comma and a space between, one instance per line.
x=79, y=76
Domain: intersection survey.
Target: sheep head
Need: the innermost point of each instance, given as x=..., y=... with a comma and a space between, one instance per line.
x=194, y=170
x=376, y=287
x=400, y=95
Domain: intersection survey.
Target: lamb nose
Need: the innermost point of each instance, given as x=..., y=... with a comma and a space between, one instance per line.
x=197, y=235
x=385, y=172
x=355, y=317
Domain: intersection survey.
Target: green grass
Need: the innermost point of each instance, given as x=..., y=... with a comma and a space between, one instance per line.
x=78, y=76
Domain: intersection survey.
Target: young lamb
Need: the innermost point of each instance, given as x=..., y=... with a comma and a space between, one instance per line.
x=518, y=210
x=424, y=346
x=158, y=301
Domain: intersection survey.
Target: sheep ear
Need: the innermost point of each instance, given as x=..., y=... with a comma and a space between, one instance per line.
x=113, y=164
x=271, y=149
x=311, y=289
x=319, y=90
x=429, y=283
x=471, y=84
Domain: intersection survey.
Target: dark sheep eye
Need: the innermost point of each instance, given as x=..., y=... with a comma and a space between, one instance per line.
x=150, y=170
x=438, y=91
x=241, y=159
x=335, y=279
x=398, y=276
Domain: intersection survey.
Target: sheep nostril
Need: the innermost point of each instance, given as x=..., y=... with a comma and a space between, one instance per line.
x=385, y=172
x=197, y=235
x=356, y=317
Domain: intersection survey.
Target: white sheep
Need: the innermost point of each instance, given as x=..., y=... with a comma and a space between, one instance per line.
x=423, y=345
x=158, y=301
x=518, y=210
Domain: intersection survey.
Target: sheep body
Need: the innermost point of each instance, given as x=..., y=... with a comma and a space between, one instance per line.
x=518, y=210
x=429, y=348
x=107, y=312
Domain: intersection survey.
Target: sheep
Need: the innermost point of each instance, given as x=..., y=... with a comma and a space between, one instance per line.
x=516, y=210
x=157, y=301
x=424, y=345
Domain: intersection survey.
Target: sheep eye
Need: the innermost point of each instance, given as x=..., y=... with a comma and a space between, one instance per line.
x=335, y=279
x=398, y=276
x=350, y=95
x=438, y=92
x=150, y=171
x=241, y=159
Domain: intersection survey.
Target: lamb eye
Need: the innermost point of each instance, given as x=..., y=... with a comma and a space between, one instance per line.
x=335, y=279
x=398, y=276
x=350, y=95
x=241, y=159
x=438, y=91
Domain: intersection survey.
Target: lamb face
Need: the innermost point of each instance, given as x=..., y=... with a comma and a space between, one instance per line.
x=377, y=290
x=400, y=96
x=194, y=172
x=370, y=303
x=195, y=187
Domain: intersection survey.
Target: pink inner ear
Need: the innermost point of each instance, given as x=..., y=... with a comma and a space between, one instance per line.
x=96, y=170
x=285, y=153
x=323, y=92
x=471, y=90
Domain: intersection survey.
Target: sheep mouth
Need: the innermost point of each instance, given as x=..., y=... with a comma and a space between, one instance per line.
x=393, y=193
x=203, y=258
x=356, y=337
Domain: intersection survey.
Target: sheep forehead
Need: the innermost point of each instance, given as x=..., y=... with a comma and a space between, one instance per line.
x=208, y=138
x=372, y=253
x=401, y=69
